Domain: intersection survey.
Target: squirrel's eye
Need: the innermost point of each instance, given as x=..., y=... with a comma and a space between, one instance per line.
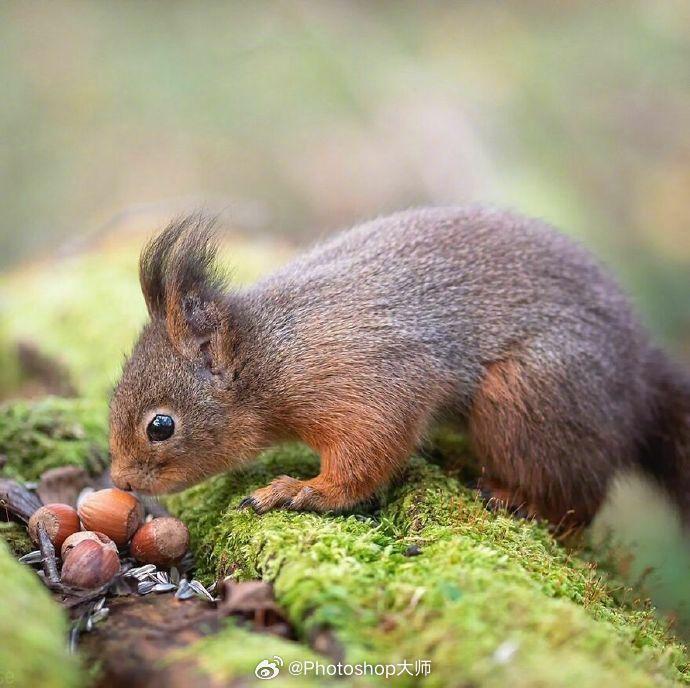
x=160, y=428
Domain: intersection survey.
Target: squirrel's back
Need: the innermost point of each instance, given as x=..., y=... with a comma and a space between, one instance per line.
x=464, y=286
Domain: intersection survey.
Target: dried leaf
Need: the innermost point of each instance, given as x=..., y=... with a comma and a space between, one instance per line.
x=62, y=485
x=253, y=600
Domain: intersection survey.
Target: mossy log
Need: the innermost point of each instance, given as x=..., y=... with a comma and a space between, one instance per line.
x=488, y=600
x=429, y=574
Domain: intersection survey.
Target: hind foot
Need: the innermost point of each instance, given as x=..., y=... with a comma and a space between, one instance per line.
x=497, y=498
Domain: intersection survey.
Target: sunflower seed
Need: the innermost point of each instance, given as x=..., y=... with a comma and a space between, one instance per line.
x=184, y=592
x=164, y=587
x=161, y=577
x=200, y=590
x=141, y=572
x=99, y=605
x=34, y=557
x=187, y=562
x=78, y=626
x=146, y=571
x=73, y=638
x=145, y=587
x=125, y=565
x=99, y=616
x=175, y=575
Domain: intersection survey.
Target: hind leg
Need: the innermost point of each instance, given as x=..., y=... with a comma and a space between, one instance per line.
x=498, y=497
x=533, y=457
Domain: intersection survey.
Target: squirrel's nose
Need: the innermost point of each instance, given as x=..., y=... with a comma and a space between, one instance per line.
x=120, y=482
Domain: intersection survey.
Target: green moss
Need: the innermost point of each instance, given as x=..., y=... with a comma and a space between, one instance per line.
x=33, y=632
x=484, y=584
x=36, y=436
x=234, y=653
x=16, y=537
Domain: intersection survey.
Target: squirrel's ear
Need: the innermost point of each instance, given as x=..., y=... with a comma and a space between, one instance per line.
x=182, y=285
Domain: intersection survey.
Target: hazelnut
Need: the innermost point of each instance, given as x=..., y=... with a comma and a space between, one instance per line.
x=73, y=540
x=90, y=564
x=59, y=520
x=162, y=542
x=112, y=512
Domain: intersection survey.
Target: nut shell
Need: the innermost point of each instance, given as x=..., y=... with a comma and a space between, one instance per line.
x=162, y=541
x=112, y=512
x=59, y=520
x=74, y=539
x=90, y=564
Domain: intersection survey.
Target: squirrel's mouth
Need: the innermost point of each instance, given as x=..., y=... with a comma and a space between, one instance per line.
x=140, y=492
x=161, y=487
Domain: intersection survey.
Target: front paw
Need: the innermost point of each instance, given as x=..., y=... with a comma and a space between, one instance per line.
x=278, y=494
x=289, y=493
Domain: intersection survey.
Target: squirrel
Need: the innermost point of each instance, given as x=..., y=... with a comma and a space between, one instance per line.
x=356, y=348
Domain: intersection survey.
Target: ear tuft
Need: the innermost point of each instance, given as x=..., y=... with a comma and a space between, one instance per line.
x=153, y=264
x=182, y=284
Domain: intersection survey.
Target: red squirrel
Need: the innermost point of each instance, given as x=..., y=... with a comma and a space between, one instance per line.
x=470, y=314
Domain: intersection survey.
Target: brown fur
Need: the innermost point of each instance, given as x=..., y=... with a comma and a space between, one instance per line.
x=509, y=430
x=491, y=319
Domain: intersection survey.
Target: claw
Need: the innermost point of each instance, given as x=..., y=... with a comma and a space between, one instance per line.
x=485, y=494
x=301, y=500
x=248, y=502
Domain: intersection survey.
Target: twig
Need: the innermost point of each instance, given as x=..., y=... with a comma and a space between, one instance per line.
x=77, y=598
x=17, y=499
x=48, y=552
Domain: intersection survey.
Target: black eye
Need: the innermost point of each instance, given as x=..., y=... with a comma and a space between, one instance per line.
x=160, y=428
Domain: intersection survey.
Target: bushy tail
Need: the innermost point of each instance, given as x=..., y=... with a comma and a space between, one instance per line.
x=667, y=451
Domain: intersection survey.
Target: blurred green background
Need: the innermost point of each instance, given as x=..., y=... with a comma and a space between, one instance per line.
x=300, y=117
x=294, y=119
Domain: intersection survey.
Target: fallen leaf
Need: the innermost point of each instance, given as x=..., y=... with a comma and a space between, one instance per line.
x=62, y=485
x=254, y=601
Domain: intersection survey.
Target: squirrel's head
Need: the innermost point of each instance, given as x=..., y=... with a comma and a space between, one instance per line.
x=181, y=411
